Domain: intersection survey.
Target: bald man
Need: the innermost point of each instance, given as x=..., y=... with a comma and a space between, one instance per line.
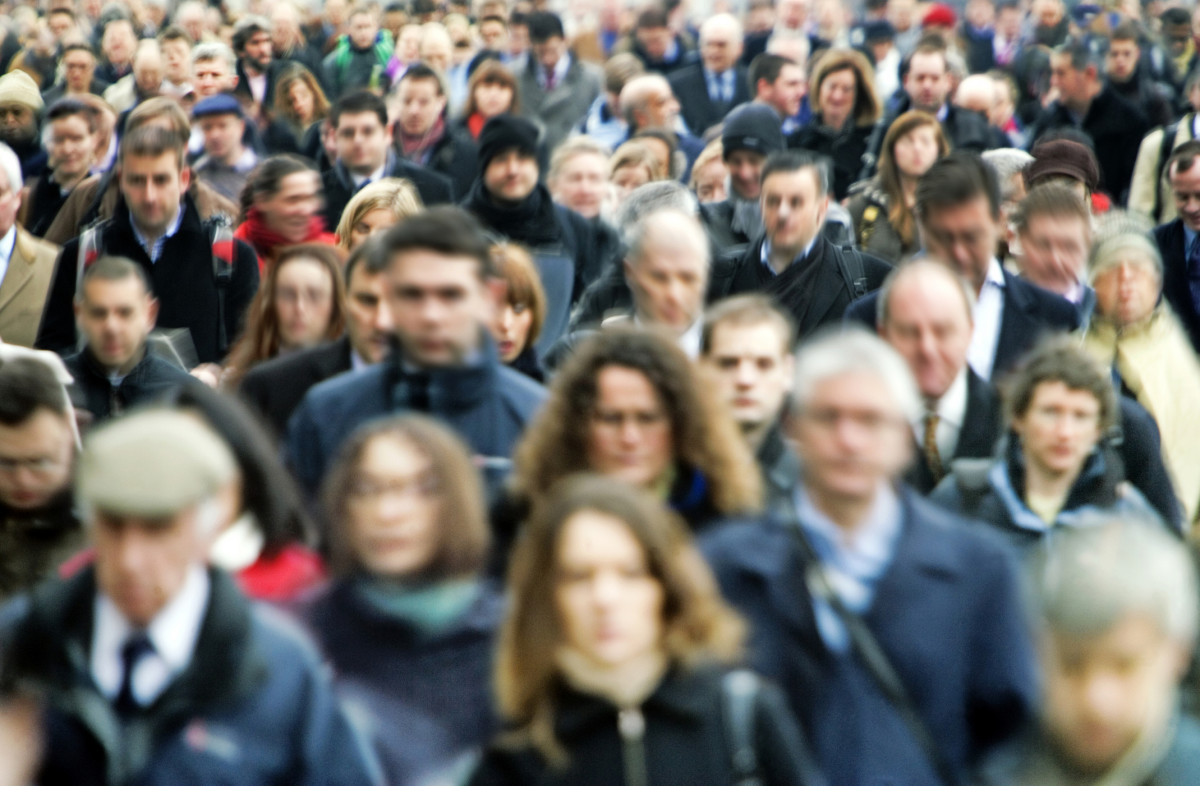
x=977, y=93
x=709, y=89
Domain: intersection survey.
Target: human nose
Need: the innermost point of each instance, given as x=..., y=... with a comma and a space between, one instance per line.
x=383, y=321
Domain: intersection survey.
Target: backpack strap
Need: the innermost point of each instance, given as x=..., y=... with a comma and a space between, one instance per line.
x=224, y=249
x=739, y=696
x=91, y=247
x=1166, y=145
x=971, y=479
x=851, y=266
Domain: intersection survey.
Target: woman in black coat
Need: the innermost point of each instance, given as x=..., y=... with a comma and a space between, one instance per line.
x=612, y=666
x=845, y=111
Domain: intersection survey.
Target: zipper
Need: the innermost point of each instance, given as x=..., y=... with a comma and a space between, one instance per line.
x=631, y=725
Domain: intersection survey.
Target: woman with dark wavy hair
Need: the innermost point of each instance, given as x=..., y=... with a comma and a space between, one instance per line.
x=613, y=658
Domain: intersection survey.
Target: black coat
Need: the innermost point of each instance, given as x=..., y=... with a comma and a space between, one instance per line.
x=963, y=129
x=338, y=186
x=456, y=155
x=685, y=742
x=699, y=111
x=1029, y=313
x=1175, y=287
x=1116, y=128
x=981, y=428
x=149, y=379
x=813, y=290
x=844, y=148
x=275, y=388
x=243, y=83
x=183, y=282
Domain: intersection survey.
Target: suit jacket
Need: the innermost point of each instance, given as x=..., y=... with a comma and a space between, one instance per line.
x=1029, y=312
x=338, y=186
x=275, y=388
x=565, y=106
x=946, y=612
x=981, y=428
x=699, y=111
x=1176, y=290
x=24, y=288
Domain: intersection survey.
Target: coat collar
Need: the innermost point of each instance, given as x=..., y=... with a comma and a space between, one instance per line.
x=679, y=695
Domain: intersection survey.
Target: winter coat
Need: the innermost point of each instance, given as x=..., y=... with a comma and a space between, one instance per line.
x=844, y=148
x=149, y=379
x=868, y=207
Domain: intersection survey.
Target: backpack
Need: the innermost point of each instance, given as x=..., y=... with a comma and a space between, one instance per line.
x=850, y=265
x=220, y=233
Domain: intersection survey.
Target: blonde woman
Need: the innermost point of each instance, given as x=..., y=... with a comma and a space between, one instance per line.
x=376, y=207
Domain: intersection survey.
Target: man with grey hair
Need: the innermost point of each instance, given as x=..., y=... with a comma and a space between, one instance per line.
x=26, y=262
x=1009, y=164
x=895, y=629
x=1116, y=618
x=709, y=89
x=152, y=665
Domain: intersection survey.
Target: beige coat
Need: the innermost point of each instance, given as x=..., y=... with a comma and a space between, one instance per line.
x=1145, y=174
x=23, y=290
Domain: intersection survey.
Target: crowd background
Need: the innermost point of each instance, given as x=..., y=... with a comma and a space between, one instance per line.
x=599, y=392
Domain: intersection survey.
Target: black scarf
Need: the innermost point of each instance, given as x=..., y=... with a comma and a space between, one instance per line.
x=533, y=221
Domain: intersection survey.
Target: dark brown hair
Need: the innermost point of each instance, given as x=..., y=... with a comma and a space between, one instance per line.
x=900, y=215
x=1059, y=359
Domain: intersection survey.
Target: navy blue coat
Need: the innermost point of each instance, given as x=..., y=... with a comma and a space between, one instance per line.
x=1029, y=313
x=252, y=708
x=1176, y=289
x=947, y=613
x=487, y=404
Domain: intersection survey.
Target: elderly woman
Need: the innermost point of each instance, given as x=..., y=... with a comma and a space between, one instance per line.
x=376, y=207
x=846, y=110
x=1056, y=469
x=612, y=665
x=1134, y=332
x=407, y=622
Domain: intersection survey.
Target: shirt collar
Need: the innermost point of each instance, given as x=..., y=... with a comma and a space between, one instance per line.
x=1189, y=237
x=865, y=551
x=374, y=177
x=8, y=244
x=995, y=274
x=766, y=252
x=952, y=406
x=173, y=632
x=153, y=247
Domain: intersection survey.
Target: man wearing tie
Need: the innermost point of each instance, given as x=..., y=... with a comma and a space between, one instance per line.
x=1179, y=240
x=151, y=665
x=718, y=83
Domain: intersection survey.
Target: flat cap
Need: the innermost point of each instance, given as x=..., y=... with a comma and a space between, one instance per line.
x=152, y=463
x=219, y=104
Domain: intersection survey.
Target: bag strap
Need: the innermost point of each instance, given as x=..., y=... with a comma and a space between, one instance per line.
x=91, y=247
x=224, y=248
x=971, y=480
x=851, y=266
x=1164, y=154
x=878, y=665
x=739, y=696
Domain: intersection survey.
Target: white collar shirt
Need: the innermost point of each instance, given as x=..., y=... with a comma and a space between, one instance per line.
x=951, y=410
x=989, y=313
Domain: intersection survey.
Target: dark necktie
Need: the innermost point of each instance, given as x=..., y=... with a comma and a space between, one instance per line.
x=933, y=457
x=136, y=647
x=1193, y=273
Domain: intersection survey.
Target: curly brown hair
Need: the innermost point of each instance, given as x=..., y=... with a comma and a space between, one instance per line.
x=703, y=434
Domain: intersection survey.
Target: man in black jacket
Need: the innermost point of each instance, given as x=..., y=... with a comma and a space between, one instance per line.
x=277, y=387
x=708, y=90
x=1177, y=240
x=422, y=135
x=116, y=370
x=510, y=201
x=359, y=121
x=1115, y=126
x=156, y=225
x=811, y=278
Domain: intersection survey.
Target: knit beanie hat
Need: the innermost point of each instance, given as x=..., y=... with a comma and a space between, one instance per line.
x=1066, y=158
x=506, y=132
x=18, y=87
x=754, y=127
x=1121, y=236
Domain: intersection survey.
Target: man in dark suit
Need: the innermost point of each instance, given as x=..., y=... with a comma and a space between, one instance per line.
x=810, y=277
x=937, y=597
x=1177, y=240
x=364, y=155
x=277, y=387
x=958, y=210
x=709, y=89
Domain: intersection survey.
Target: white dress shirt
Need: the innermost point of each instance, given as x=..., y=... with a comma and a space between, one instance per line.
x=173, y=633
x=951, y=410
x=374, y=177
x=989, y=312
x=8, y=244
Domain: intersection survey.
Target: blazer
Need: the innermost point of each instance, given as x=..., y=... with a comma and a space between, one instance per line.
x=565, y=106
x=982, y=427
x=699, y=111
x=338, y=186
x=1175, y=287
x=1029, y=311
x=275, y=388
x=24, y=288
x=947, y=612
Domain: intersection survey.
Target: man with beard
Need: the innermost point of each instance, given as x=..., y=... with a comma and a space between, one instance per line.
x=20, y=105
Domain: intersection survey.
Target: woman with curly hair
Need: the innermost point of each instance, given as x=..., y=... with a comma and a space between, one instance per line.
x=376, y=207
x=301, y=303
x=630, y=405
x=882, y=207
x=614, y=659
x=846, y=110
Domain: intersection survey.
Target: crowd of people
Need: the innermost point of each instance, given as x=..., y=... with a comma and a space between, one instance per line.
x=489, y=392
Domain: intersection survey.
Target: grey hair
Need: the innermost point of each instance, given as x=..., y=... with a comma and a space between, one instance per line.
x=10, y=165
x=1006, y=162
x=646, y=199
x=215, y=50
x=837, y=353
x=1089, y=578
x=635, y=236
x=914, y=266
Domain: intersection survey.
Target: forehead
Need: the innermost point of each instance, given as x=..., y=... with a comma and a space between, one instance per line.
x=167, y=162
x=70, y=122
x=125, y=289
x=856, y=389
x=420, y=85
x=971, y=214
x=298, y=183
x=363, y=120
x=756, y=339
x=41, y=430
x=212, y=65
x=616, y=385
x=800, y=182
x=927, y=296
x=1056, y=223
x=430, y=268
x=927, y=62
x=585, y=161
x=1056, y=390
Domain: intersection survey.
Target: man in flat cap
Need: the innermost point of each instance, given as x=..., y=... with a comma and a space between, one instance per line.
x=227, y=162
x=20, y=107
x=151, y=666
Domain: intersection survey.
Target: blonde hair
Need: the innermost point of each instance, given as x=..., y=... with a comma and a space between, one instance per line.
x=391, y=193
x=635, y=153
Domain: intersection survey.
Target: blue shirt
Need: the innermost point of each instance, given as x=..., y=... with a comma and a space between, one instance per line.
x=154, y=250
x=766, y=253
x=720, y=86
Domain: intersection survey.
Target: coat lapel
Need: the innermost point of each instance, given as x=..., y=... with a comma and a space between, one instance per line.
x=20, y=270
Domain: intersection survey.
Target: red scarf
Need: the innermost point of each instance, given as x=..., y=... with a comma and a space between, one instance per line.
x=267, y=241
x=417, y=148
x=475, y=124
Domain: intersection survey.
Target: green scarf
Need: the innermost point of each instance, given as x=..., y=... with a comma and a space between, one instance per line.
x=430, y=608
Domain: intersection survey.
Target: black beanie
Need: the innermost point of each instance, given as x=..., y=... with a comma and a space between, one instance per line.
x=506, y=132
x=755, y=127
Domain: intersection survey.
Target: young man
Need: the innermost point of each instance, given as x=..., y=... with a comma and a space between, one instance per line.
x=20, y=107
x=556, y=88
x=255, y=64
x=159, y=228
x=359, y=58
x=1055, y=229
x=422, y=135
x=1177, y=239
x=116, y=312
x=441, y=295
